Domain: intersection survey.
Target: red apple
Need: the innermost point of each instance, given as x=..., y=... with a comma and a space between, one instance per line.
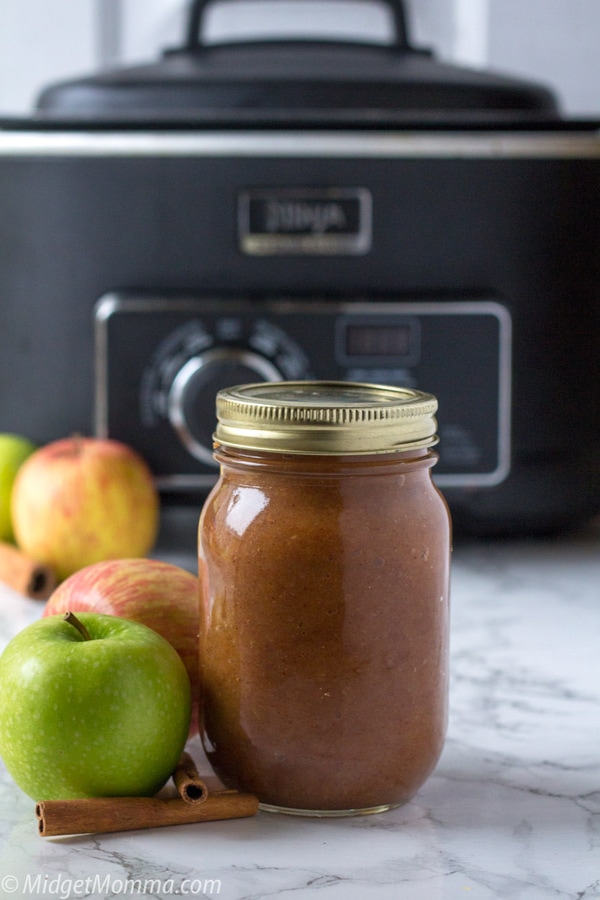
x=149, y=591
x=79, y=500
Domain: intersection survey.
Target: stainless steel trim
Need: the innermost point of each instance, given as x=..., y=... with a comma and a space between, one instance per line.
x=196, y=364
x=102, y=313
x=501, y=472
x=388, y=144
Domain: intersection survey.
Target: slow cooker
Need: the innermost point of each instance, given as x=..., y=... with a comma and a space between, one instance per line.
x=299, y=209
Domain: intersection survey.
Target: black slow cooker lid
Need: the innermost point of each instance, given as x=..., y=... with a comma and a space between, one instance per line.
x=297, y=80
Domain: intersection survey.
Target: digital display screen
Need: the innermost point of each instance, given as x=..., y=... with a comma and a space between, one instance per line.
x=378, y=340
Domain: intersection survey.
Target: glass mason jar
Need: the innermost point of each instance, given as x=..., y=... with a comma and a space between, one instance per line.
x=324, y=554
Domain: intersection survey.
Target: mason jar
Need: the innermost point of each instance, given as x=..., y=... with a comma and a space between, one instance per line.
x=324, y=556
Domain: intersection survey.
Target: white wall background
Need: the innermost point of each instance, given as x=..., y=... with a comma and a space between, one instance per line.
x=553, y=41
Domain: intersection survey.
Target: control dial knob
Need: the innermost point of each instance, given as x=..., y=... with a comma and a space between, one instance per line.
x=191, y=400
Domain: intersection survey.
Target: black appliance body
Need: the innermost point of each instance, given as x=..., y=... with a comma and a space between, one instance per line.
x=161, y=238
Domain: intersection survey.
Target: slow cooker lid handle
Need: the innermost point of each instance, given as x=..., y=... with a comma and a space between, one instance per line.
x=198, y=7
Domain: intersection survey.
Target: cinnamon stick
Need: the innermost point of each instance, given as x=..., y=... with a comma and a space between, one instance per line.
x=103, y=814
x=190, y=786
x=25, y=575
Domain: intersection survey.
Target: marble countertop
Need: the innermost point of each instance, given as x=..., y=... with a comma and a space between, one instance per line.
x=512, y=810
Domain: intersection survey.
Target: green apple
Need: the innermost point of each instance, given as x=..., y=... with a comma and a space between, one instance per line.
x=92, y=706
x=14, y=450
x=158, y=594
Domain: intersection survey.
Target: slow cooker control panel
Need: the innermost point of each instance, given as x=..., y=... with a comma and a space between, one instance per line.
x=160, y=361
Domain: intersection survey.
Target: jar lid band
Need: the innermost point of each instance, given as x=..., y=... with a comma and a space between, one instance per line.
x=325, y=417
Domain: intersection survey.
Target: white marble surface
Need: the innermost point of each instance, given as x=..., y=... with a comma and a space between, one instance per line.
x=512, y=811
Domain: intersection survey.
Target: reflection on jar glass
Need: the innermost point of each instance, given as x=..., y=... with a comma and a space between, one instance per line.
x=324, y=559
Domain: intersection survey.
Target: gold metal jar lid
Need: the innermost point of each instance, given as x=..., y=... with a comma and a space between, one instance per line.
x=325, y=417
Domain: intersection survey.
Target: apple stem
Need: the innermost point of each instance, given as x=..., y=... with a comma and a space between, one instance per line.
x=72, y=619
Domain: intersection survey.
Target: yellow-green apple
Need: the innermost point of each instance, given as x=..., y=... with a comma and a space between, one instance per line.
x=92, y=706
x=14, y=450
x=80, y=500
x=156, y=593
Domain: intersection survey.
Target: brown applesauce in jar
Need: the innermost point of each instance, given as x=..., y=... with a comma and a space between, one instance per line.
x=324, y=555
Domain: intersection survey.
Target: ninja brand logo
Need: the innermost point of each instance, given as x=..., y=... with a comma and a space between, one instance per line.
x=304, y=220
x=304, y=217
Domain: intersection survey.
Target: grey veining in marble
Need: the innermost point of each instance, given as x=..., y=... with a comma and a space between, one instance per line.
x=512, y=810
